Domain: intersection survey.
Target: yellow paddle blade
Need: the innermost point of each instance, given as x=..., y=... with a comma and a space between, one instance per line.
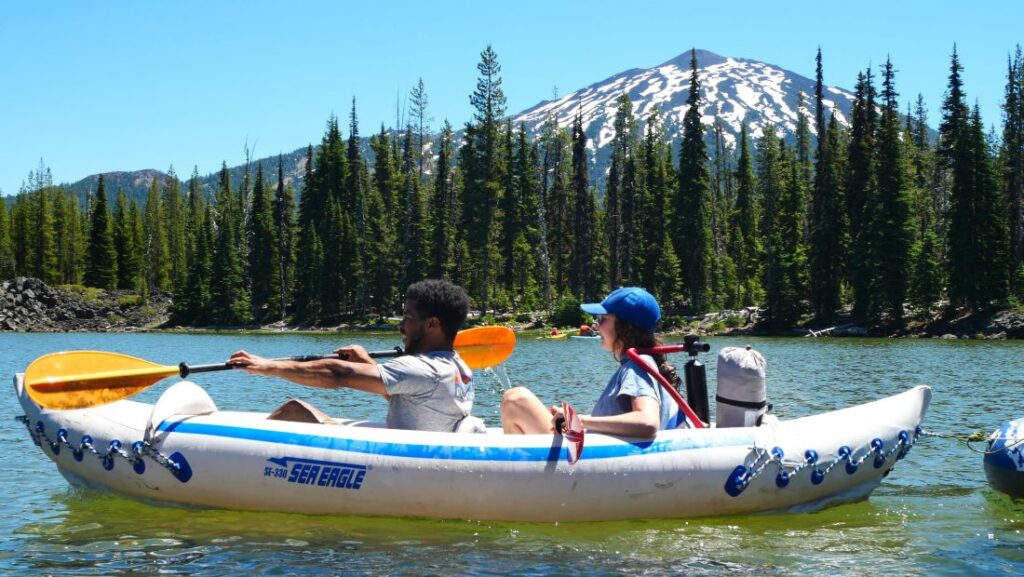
x=76, y=379
x=483, y=347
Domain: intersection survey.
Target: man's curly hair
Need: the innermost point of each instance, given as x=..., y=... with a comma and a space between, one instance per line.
x=442, y=299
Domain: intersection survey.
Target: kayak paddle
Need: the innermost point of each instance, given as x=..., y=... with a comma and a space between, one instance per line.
x=78, y=379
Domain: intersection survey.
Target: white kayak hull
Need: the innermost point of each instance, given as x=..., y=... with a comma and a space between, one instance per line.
x=237, y=460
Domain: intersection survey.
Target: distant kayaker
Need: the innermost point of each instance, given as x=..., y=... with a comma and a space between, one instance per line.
x=586, y=330
x=633, y=404
x=429, y=388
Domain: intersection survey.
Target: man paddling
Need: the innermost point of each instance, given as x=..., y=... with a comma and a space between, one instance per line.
x=429, y=388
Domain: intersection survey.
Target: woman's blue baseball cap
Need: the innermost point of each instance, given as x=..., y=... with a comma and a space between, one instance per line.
x=632, y=304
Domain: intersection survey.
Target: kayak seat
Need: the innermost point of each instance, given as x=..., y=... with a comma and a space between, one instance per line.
x=299, y=411
x=182, y=399
x=471, y=424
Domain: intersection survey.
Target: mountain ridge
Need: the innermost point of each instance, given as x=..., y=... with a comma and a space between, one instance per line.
x=734, y=90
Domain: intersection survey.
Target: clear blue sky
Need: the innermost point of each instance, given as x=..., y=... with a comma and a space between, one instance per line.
x=100, y=86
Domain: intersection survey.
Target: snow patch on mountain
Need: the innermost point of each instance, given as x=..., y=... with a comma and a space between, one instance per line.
x=733, y=90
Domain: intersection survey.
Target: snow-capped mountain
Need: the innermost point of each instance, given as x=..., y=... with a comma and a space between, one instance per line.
x=735, y=90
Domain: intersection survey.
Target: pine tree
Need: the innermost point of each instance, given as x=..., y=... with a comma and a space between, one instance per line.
x=229, y=297
x=785, y=267
x=893, y=235
x=925, y=285
x=124, y=244
x=659, y=270
x=333, y=283
x=139, y=237
x=613, y=202
x=66, y=223
x=101, y=266
x=45, y=262
x=584, y=216
x=412, y=221
x=692, y=234
x=175, y=217
x=722, y=273
x=155, y=248
x=307, y=274
x=419, y=101
x=819, y=101
x=862, y=194
x=526, y=253
x=828, y=225
x=284, y=227
x=771, y=177
x=6, y=246
x=20, y=230
x=264, y=274
x=748, y=245
x=977, y=237
x=558, y=212
x=955, y=114
x=804, y=165
x=1012, y=163
x=191, y=302
x=484, y=176
x=510, y=224
x=356, y=184
x=443, y=210
x=383, y=256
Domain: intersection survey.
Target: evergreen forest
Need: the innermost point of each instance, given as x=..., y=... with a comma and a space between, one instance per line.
x=880, y=220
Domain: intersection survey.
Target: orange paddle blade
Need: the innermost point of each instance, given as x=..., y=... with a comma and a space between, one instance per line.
x=483, y=347
x=76, y=379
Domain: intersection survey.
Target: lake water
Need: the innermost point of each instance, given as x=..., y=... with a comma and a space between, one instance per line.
x=934, y=515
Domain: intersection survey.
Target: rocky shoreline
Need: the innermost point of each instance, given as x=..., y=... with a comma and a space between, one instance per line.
x=30, y=305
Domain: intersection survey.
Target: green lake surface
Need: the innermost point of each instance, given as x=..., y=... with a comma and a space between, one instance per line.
x=934, y=515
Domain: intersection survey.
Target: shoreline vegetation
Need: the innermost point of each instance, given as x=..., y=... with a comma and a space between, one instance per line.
x=866, y=216
x=30, y=305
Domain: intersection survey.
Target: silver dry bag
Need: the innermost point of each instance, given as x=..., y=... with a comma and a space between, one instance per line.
x=741, y=398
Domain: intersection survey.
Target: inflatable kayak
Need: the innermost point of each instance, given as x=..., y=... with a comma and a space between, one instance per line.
x=185, y=450
x=1004, y=458
x=586, y=337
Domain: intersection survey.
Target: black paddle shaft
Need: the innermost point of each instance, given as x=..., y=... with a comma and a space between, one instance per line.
x=184, y=369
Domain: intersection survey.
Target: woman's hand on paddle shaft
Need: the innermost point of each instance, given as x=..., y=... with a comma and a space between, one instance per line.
x=255, y=365
x=354, y=354
x=557, y=418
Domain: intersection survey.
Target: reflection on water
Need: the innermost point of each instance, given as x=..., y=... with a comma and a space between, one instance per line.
x=933, y=515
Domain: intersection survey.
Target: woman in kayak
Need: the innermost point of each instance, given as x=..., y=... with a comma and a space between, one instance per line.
x=633, y=404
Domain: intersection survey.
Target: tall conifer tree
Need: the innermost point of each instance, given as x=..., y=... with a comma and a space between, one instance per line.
x=264, y=274
x=229, y=296
x=692, y=234
x=748, y=246
x=484, y=176
x=1012, y=163
x=128, y=254
x=862, y=193
x=893, y=235
x=443, y=209
x=6, y=246
x=155, y=249
x=284, y=227
x=101, y=266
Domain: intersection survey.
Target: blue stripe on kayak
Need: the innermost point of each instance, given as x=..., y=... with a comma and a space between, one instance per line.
x=456, y=452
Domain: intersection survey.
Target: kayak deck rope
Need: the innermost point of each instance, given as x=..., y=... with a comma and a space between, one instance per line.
x=743, y=475
x=975, y=437
x=175, y=463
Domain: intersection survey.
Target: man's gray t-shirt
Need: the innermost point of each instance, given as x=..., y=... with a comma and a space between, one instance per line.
x=629, y=381
x=428, y=392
